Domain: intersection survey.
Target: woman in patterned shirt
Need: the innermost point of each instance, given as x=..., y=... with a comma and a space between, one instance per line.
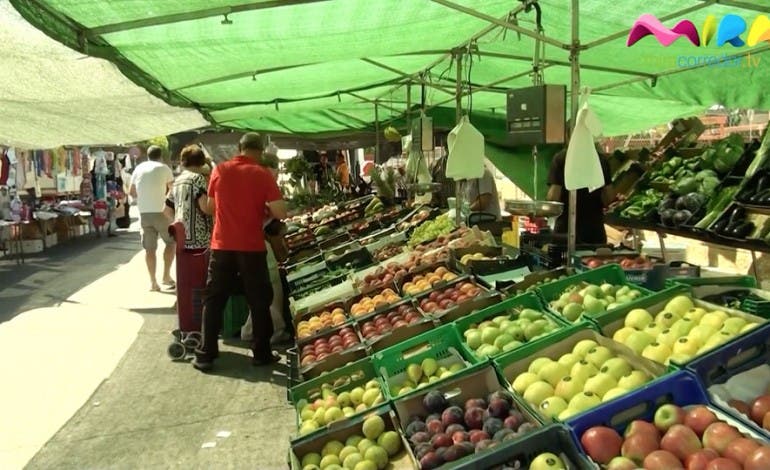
x=188, y=201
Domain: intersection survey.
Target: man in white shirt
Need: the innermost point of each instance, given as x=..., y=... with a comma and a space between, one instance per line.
x=150, y=183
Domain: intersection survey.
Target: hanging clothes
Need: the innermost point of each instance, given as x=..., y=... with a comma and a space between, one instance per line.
x=21, y=169
x=47, y=163
x=5, y=166
x=77, y=161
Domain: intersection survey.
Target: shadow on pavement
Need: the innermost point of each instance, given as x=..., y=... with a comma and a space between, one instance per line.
x=238, y=366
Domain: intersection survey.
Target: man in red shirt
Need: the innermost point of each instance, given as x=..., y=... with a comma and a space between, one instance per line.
x=242, y=194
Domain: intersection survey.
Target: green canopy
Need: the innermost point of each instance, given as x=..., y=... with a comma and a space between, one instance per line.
x=311, y=66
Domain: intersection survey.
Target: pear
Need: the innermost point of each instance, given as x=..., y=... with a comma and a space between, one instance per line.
x=414, y=372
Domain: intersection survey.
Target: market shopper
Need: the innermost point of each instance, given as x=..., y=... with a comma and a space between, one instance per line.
x=188, y=200
x=589, y=228
x=242, y=194
x=343, y=173
x=323, y=172
x=482, y=193
x=150, y=182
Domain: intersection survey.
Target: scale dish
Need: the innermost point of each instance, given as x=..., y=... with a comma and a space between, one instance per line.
x=534, y=208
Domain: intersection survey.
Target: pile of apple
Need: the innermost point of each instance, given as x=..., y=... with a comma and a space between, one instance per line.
x=507, y=332
x=337, y=342
x=444, y=299
x=758, y=411
x=577, y=381
x=625, y=262
x=424, y=281
x=393, y=271
x=593, y=299
x=373, y=449
x=388, y=251
x=447, y=432
x=332, y=406
x=679, y=332
x=366, y=304
x=421, y=374
x=692, y=439
x=322, y=321
x=383, y=323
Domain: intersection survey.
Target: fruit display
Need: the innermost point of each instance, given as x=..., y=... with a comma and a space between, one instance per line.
x=385, y=275
x=431, y=230
x=678, y=438
x=533, y=281
x=388, y=251
x=374, y=448
x=332, y=406
x=366, y=305
x=578, y=380
x=383, y=323
x=758, y=411
x=462, y=237
x=504, y=333
x=416, y=219
x=592, y=299
x=467, y=258
x=375, y=206
x=625, y=262
x=446, y=431
x=679, y=331
x=364, y=226
x=446, y=298
x=342, y=340
x=320, y=322
x=425, y=280
x=422, y=373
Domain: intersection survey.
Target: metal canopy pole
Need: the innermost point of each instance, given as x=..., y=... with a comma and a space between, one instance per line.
x=458, y=117
x=409, y=107
x=574, y=59
x=377, y=133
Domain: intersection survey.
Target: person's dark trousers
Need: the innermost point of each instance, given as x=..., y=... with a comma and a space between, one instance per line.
x=224, y=270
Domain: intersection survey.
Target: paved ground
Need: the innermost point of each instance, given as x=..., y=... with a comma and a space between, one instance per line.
x=92, y=386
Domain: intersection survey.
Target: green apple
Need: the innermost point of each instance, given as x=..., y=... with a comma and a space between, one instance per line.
x=488, y=350
x=583, y=346
x=668, y=337
x=523, y=381
x=716, y=340
x=635, y=379
x=721, y=313
x=713, y=320
x=634, y=294
x=638, y=340
x=686, y=347
x=535, y=329
x=657, y=352
x=538, y=363
x=592, y=305
x=348, y=411
x=583, y=370
x=695, y=314
x=516, y=331
x=505, y=324
x=616, y=367
x=456, y=367
x=681, y=358
x=638, y=318
x=584, y=401
x=701, y=334
x=600, y=384
x=614, y=393
x=551, y=407
x=306, y=413
x=512, y=345
x=311, y=459
x=654, y=329
x=733, y=325
x=682, y=327
x=680, y=305
x=666, y=319
x=622, y=290
x=748, y=327
x=568, y=387
x=622, y=334
x=530, y=314
x=599, y=355
x=357, y=395
x=473, y=338
x=572, y=311
x=567, y=414
x=308, y=426
x=537, y=392
x=593, y=290
x=608, y=289
x=569, y=359
x=553, y=372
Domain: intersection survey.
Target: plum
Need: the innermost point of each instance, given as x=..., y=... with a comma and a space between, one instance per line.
x=474, y=418
x=434, y=401
x=453, y=428
x=501, y=434
x=435, y=427
x=441, y=440
x=419, y=437
x=499, y=408
x=526, y=427
x=452, y=415
x=431, y=417
x=475, y=403
x=501, y=394
x=455, y=452
x=421, y=449
x=481, y=446
x=477, y=435
x=492, y=425
x=415, y=427
x=514, y=420
x=430, y=461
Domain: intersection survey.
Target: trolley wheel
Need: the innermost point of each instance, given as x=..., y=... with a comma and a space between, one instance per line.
x=191, y=343
x=177, y=334
x=196, y=335
x=176, y=351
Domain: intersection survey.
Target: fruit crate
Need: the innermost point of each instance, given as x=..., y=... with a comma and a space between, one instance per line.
x=506, y=307
x=610, y=273
x=554, y=439
x=354, y=257
x=657, y=303
x=531, y=281
x=517, y=362
x=479, y=381
x=499, y=261
x=305, y=314
x=341, y=431
x=360, y=374
x=442, y=344
x=317, y=286
x=391, y=337
x=733, y=291
x=376, y=298
x=450, y=272
x=737, y=371
x=333, y=360
x=679, y=388
x=445, y=316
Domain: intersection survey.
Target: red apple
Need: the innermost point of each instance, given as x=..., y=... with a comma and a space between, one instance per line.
x=399, y=324
x=759, y=408
x=642, y=427
x=434, y=296
x=308, y=348
x=319, y=341
x=601, y=443
x=719, y=435
x=308, y=359
x=638, y=446
x=667, y=416
x=338, y=348
x=462, y=298
x=740, y=449
x=722, y=463
x=322, y=356
x=334, y=341
x=758, y=460
x=698, y=418
x=445, y=304
x=700, y=460
x=680, y=441
x=324, y=348
x=662, y=460
x=430, y=307
x=741, y=406
x=766, y=421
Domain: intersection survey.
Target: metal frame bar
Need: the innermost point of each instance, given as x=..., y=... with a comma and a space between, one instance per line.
x=350, y=116
x=372, y=101
x=407, y=76
x=458, y=117
x=574, y=59
x=193, y=15
x=565, y=63
x=488, y=87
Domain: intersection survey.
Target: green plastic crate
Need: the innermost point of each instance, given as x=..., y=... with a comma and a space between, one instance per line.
x=610, y=273
x=442, y=344
x=736, y=281
x=344, y=379
x=236, y=314
x=704, y=287
x=524, y=301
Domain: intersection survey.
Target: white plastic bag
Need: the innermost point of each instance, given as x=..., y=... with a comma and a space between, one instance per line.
x=466, y=152
x=583, y=168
